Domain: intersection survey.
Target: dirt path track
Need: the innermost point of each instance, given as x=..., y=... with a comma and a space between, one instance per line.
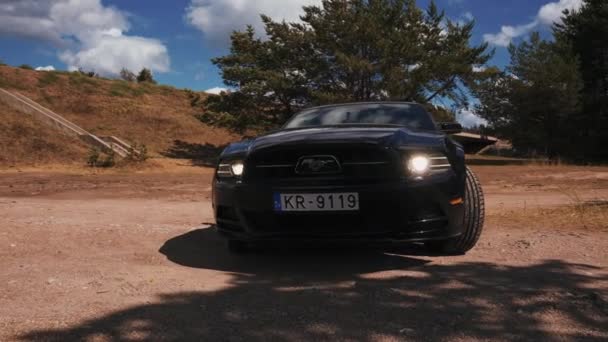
x=121, y=257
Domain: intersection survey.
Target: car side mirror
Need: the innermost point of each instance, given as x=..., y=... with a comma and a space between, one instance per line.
x=450, y=127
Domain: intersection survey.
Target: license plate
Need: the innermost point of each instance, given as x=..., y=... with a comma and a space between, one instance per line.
x=341, y=201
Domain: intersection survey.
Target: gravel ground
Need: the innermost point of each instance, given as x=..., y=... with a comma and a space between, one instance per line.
x=116, y=257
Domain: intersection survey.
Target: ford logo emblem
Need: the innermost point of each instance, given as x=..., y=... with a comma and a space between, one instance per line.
x=318, y=165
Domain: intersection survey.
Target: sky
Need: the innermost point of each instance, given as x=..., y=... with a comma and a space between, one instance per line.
x=177, y=38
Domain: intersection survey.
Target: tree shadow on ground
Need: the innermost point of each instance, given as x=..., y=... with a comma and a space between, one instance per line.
x=357, y=294
x=199, y=154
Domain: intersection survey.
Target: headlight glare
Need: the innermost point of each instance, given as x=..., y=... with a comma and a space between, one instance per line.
x=418, y=164
x=237, y=168
x=227, y=169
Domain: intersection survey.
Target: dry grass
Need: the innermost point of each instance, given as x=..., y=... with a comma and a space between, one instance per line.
x=25, y=141
x=144, y=113
x=153, y=166
x=585, y=215
x=559, y=178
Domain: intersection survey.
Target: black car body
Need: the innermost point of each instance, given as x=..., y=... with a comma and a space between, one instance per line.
x=289, y=177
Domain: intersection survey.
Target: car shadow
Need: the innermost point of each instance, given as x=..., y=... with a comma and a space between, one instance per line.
x=204, y=248
x=356, y=294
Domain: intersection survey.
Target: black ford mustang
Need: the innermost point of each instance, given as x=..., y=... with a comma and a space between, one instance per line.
x=360, y=171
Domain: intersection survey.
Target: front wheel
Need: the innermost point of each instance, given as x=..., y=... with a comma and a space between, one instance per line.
x=474, y=212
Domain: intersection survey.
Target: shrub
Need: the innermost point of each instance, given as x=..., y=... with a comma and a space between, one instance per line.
x=127, y=75
x=120, y=88
x=165, y=89
x=26, y=66
x=87, y=73
x=145, y=75
x=137, y=153
x=49, y=77
x=80, y=83
x=110, y=159
x=146, y=88
x=95, y=158
x=225, y=120
x=195, y=98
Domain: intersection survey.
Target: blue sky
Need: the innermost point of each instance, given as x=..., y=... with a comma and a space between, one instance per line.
x=177, y=38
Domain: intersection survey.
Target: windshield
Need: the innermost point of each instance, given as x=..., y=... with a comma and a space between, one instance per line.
x=394, y=114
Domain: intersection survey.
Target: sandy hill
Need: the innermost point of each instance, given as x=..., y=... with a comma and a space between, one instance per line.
x=161, y=117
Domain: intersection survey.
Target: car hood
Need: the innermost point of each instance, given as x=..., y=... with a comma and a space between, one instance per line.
x=384, y=136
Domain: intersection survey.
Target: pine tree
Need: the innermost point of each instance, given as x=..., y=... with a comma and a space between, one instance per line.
x=584, y=33
x=349, y=50
x=535, y=100
x=145, y=75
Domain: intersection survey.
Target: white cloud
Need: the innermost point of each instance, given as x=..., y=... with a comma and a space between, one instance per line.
x=547, y=15
x=218, y=18
x=507, y=33
x=552, y=12
x=28, y=19
x=107, y=54
x=86, y=33
x=468, y=16
x=468, y=118
x=216, y=90
x=45, y=68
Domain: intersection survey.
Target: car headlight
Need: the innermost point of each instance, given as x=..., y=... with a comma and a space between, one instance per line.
x=228, y=169
x=418, y=164
x=237, y=168
x=423, y=164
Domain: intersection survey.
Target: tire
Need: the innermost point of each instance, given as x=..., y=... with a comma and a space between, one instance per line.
x=474, y=213
x=238, y=246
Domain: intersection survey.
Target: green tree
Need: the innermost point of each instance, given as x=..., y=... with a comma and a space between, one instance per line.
x=145, y=75
x=535, y=99
x=440, y=113
x=348, y=50
x=584, y=33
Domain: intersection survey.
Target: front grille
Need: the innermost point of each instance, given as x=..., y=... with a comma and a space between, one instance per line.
x=361, y=163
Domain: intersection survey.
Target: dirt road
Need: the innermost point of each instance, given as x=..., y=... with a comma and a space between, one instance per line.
x=131, y=256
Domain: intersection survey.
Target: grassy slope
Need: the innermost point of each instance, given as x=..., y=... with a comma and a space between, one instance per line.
x=26, y=141
x=153, y=115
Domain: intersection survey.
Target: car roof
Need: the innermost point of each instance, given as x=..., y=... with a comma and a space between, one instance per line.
x=362, y=103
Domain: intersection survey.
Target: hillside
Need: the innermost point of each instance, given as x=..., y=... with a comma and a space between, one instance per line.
x=160, y=117
x=26, y=141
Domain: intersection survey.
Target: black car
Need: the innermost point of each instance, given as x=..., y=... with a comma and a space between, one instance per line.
x=377, y=171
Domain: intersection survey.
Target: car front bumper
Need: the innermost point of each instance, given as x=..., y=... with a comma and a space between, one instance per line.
x=405, y=210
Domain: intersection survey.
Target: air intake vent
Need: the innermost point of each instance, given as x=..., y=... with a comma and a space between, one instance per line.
x=439, y=163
